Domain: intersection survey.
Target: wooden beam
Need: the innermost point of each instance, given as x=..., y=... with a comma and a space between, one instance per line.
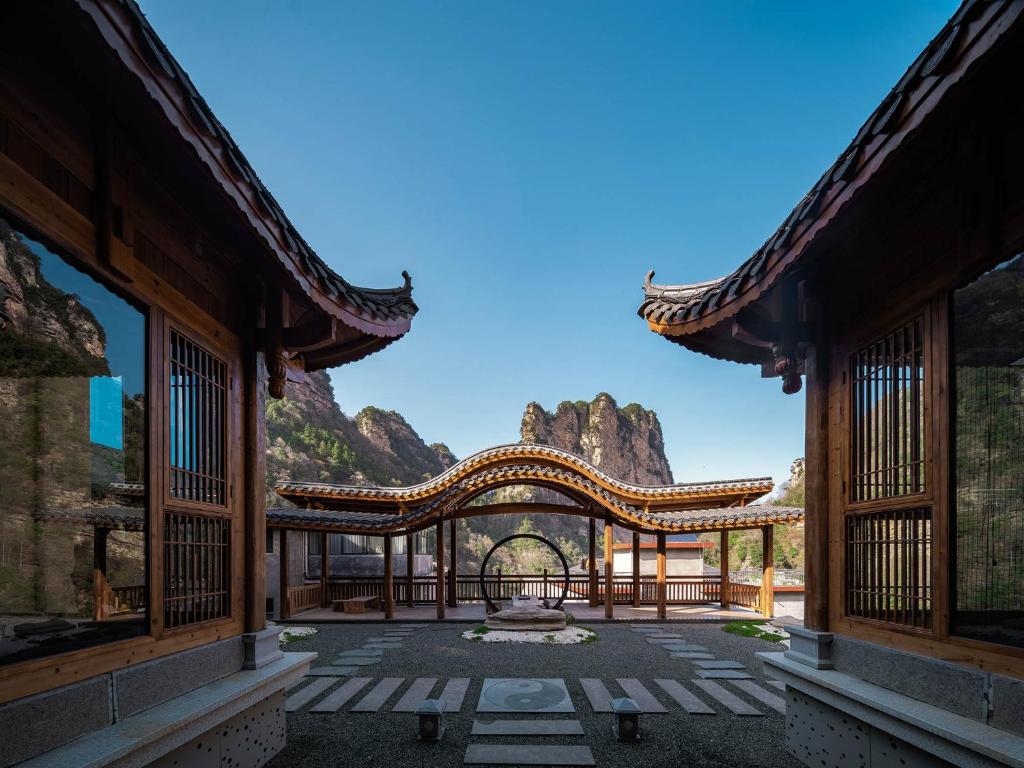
x=389, y=581
x=452, y=570
x=768, y=571
x=609, y=570
x=816, y=472
x=410, y=559
x=662, y=582
x=325, y=568
x=592, y=561
x=440, y=567
x=636, y=569
x=283, y=607
x=723, y=561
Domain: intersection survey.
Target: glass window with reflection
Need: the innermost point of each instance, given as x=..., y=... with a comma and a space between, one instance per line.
x=988, y=429
x=72, y=456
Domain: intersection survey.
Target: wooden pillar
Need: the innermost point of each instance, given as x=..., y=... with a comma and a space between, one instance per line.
x=440, y=568
x=592, y=563
x=453, y=572
x=816, y=472
x=410, y=559
x=723, y=549
x=284, y=610
x=254, y=399
x=609, y=570
x=768, y=571
x=636, y=570
x=101, y=597
x=662, y=584
x=389, y=581
x=325, y=569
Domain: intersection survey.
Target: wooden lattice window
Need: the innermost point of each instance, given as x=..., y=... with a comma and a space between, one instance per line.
x=198, y=384
x=888, y=566
x=197, y=569
x=887, y=425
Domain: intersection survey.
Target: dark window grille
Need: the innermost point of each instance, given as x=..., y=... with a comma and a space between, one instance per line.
x=888, y=566
x=198, y=383
x=197, y=569
x=888, y=421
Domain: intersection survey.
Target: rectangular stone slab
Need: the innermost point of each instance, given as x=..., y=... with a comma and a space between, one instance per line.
x=303, y=696
x=729, y=699
x=684, y=698
x=360, y=661
x=718, y=665
x=723, y=674
x=382, y=640
x=488, y=700
x=332, y=670
x=527, y=754
x=643, y=698
x=528, y=728
x=755, y=691
x=777, y=684
x=454, y=692
x=600, y=699
x=365, y=652
x=416, y=694
x=383, y=646
x=690, y=655
x=665, y=636
x=381, y=692
x=664, y=640
x=684, y=648
x=337, y=700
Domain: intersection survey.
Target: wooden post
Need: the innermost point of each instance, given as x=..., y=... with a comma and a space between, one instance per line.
x=768, y=571
x=100, y=589
x=325, y=570
x=636, y=570
x=723, y=550
x=609, y=570
x=662, y=585
x=440, y=567
x=592, y=563
x=816, y=471
x=453, y=572
x=254, y=398
x=389, y=581
x=410, y=553
x=284, y=610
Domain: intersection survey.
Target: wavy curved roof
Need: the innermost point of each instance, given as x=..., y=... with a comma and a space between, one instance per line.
x=528, y=463
x=685, y=313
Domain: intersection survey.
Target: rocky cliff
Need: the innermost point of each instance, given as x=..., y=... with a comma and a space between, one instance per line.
x=625, y=443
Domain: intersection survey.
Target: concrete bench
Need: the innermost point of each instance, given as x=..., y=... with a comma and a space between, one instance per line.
x=359, y=604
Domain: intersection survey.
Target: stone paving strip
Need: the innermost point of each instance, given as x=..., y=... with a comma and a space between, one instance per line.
x=454, y=693
x=383, y=640
x=416, y=694
x=755, y=691
x=338, y=699
x=684, y=648
x=718, y=665
x=527, y=754
x=643, y=698
x=728, y=698
x=684, y=698
x=666, y=636
x=383, y=646
x=381, y=692
x=305, y=695
x=723, y=674
x=600, y=699
x=332, y=670
x=664, y=640
x=358, y=661
x=690, y=655
x=364, y=652
x=777, y=684
x=528, y=728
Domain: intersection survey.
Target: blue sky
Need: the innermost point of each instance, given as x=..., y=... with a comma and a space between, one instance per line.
x=528, y=162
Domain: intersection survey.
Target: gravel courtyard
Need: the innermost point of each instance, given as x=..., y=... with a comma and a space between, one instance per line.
x=675, y=738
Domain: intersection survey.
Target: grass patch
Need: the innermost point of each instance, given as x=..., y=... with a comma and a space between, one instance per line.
x=591, y=638
x=481, y=630
x=753, y=629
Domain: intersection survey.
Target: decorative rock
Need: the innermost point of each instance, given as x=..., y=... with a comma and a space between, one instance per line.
x=527, y=620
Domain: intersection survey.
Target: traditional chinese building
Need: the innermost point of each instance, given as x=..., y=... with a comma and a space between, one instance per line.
x=896, y=288
x=152, y=293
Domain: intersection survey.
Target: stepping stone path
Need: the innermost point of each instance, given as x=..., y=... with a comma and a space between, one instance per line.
x=417, y=693
x=755, y=691
x=777, y=684
x=358, y=661
x=381, y=692
x=362, y=652
x=718, y=665
x=692, y=655
x=528, y=728
x=527, y=754
x=337, y=700
x=729, y=699
x=454, y=693
x=723, y=674
x=684, y=698
x=685, y=648
x=600, y=699
x=332, y=671
x=305, y=695
x=644, y=698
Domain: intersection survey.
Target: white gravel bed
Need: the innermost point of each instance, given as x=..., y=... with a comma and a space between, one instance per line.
x=567, y=636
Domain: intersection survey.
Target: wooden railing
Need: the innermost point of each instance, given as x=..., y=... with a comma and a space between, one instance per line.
x=746, y=595
x=128, y=599
x=304, y=597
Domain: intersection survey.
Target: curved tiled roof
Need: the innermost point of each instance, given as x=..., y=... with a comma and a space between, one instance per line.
x=678, y=311
x=533, y=457
x=382, y=313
